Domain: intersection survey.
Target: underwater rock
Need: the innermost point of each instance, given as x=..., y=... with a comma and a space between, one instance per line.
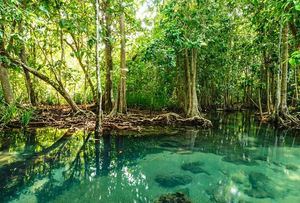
x=184, y=152
x=194, y=167
x=177, y=197
x=260, y=186
x=291, y=167
x=170, y=144
x=225, y=191
x=258, y=179
x=239, y=160
x=261, y=158
x=169, y=181
x=239, y=178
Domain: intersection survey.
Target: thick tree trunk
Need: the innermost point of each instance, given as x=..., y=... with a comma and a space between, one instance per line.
x=283, y=106
x=4, y=77
x=108, y=59
x=188, y=82
x=191, y=67
x=6, y=88
x=121, y=105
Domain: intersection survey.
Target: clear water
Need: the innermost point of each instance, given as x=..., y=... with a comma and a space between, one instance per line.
x=236, y=161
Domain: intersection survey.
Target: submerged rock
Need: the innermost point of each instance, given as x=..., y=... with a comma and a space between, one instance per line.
x=177, y=197
x=173, y=180
x=194, y=167
x=239, y=178
x=170, y=144
x=260, y=186
x=224, y=191
x=239, y=160
x=261, y=158
x=258, y=179
x=291, y=167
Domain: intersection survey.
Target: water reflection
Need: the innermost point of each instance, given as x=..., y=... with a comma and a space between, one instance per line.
x=44, y=165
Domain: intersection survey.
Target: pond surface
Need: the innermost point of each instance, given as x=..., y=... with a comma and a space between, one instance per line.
x=236, y=161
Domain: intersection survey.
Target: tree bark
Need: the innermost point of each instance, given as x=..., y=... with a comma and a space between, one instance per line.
x=278, y=79
x=120, y=105
x=4, y=77
x=193, y=109
x=6, y=88
x=108, y=58
x=283, y=106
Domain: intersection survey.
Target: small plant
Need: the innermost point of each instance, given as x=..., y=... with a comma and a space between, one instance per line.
x=12, y=113
x=26, y=117
x=8, y=113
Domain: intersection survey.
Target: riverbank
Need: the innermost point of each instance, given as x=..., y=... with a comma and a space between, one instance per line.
x=134, y=120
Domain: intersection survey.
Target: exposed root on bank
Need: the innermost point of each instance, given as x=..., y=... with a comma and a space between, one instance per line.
x=130, y=122
x=167, y=119
x=287, y=121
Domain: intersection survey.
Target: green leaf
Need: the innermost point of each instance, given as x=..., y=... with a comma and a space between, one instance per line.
x=44, y=10
x=292, y=61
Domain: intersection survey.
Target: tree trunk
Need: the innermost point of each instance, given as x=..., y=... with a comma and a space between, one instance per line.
x=269, y=95
x=23, y=57
x=296, y=85
x=193, y=100
x=283, y=106
x=6, y=88
x=108, y=59
x=99, y=90
x=278, y=79
x=259, y=103
x=84, y=66
x=188, y=82
x=4, y=77
x=58, y=87
x=28, y=82
x=121, y=106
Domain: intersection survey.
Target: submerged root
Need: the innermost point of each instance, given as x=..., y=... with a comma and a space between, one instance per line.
x=285, y=120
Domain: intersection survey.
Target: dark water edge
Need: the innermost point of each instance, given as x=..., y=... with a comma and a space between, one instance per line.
x=238, y=160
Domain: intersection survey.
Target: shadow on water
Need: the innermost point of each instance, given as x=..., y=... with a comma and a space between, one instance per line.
x=50, y=164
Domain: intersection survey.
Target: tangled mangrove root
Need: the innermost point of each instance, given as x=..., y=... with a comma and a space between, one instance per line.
x=130, y=122
x=287, y=121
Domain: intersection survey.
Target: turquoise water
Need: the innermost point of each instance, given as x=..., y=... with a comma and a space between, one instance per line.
x=236, y=161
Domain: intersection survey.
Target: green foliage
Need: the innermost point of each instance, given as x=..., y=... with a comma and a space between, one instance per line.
x=8, y=113
x=295, y=58
x=12, y=113
x=26, y=116
x=237, y=43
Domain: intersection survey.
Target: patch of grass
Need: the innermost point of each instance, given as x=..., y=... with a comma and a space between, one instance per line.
x=26, y=116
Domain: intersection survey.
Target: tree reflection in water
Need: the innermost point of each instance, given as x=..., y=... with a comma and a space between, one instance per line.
x=52, y=165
